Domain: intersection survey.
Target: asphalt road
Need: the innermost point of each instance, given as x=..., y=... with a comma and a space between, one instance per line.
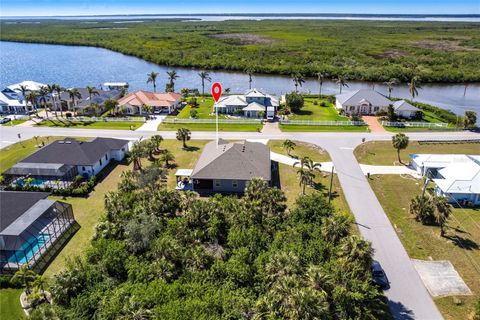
x=408, y=297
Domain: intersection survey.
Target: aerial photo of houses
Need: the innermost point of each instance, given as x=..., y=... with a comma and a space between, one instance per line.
x=240, y=160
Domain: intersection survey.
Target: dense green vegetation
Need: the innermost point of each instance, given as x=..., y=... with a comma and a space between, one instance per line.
x=363, y=50
x=168, y=255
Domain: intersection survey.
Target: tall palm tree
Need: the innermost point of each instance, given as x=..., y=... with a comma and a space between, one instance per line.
x=305, y=178
x=32, y=98
x=135, y=155
x=58, y=90
x=26, y=276
x=43, y=93
x=320, y=77
x=308, y=163
x=442, y=211
x=400, y=142
x=51, y=91
x=24, y=91
x=390, y=83
x=413, y=87
x=172, y=76
x=205, y=77
x=152, y=78
x=341, y=83
x=92, y=91
x=183, y=134
x=288, y=145
x=298, y=80
x=74, y=94
x=157, y=139
x=249, y=71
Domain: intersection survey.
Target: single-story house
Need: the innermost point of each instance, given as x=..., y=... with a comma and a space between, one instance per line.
x=456, y=176
x=159, y=102
x=405, y=109
x=251, y=104
x=228, y=167
x=30, y=86
x=363, y=101
x=84, y=102
x=58, y=163
x=32, y=228
x=13, y=102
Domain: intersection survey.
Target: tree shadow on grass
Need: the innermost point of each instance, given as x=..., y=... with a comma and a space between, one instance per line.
x=303, y=112
x=463, y=243
x=190, y=148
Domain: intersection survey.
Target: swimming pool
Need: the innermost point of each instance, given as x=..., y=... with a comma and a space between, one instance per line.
x=35, y=182
x=29, y=248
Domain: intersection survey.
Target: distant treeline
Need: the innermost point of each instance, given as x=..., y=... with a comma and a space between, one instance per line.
x=355, y=50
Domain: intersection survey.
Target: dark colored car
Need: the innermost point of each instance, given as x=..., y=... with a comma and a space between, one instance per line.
x=379, y=276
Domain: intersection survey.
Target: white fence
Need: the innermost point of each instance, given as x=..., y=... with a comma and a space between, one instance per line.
x=212, y=121
x=100, y=119
x=415, y=124
x=322, y=123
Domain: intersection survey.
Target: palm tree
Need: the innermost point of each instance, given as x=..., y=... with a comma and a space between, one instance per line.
x=298, y=80
x=400, y=142
x=157, y=139
x=40, y=283
x=147, y=109
x=74, y=94
x=353, y=248
x=422, y=209
x=152, y=77
x=149, y=148
x=320, y=76
x=43, y=93
x=204, y=76
x=92, y=91
x=58, y=90
x=24, y=91
x=249, y=71
x=390, y=83
x=26, y=276
x=413, y=87
x=341, y=83
x=167, y=156
x=308, y=163
x=51, y=91
x=135, y=155
x=183, y=134
x=442, y=211
x=288, y=145
x=172, y=76
x=32, y=98
x=305, y=178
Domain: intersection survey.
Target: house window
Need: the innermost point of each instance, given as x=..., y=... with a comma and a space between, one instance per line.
x=123, y=149
x=106, y=157
x=352, y=108
x=217, y=183
x=100, y=161
x=234, y=183
x=83, y=168
x=375, y=109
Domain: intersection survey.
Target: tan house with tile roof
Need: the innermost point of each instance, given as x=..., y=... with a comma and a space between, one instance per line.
x=160, y=102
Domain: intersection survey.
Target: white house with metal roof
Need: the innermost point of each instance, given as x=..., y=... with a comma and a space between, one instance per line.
x=405, y=109
x=456, y=176
x=13, y=102
x=251, y=104
x=30, y=86
x=363, y=101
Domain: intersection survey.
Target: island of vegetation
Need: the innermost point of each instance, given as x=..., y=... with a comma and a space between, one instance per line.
x=352, y=50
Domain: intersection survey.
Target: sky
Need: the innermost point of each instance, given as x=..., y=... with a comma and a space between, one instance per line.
x=108, y=7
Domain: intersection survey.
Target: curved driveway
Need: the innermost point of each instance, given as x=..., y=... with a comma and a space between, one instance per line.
x=408, y=297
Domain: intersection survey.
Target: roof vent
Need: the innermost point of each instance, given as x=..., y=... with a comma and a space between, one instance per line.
x=61, y=142
x=68, y=142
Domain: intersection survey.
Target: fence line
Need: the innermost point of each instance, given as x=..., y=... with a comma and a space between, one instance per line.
x=99, y=119
x=322, y=123
x=212, y=121
x=415, y=124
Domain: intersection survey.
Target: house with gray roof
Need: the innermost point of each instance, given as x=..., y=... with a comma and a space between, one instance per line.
x=85, y=101
x=32, y=228
x=404, y=109
x=363, y=101
x=228, y=167
x=58, y=163
x=251, y=104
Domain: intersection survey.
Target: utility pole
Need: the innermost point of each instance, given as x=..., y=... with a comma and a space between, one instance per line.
x=331, y=182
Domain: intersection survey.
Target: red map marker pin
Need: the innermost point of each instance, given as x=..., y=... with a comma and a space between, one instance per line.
x=216, y=91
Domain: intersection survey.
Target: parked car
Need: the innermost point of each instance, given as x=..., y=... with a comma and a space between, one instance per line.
x=4, y=120
x=379, y=276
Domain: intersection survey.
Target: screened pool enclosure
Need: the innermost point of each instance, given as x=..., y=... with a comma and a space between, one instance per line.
x=32, y=235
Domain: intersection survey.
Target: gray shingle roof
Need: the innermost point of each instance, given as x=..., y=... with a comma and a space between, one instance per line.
x=74, y=152
x=14, y=203
x=233, y=161
x=402, y=105
x=355, y=98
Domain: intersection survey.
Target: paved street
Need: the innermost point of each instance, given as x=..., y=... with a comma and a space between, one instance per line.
x=408, y=297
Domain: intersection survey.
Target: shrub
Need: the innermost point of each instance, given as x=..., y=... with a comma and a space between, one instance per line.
x=294, y=101
x=193, y=114
x=68, y=114
x=192, y=101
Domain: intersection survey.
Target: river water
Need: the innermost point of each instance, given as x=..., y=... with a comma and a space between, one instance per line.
x=72, y=66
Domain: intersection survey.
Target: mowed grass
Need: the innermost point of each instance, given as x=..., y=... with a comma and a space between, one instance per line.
x=310, y=111
x=423, y=242
x=18, y=151
x=304, y=128
x=117, y=125
x=10, y=308
x=382, y=152
x=204, y=109
x=211, y=127
x=412, y=129
x=302, y=149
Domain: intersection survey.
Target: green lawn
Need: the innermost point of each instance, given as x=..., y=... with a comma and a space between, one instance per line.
x=303, y=128
x=10, y=308
x=310, y=111
x=382, y=152
x=411, y=129
x=302, y=149
x=204, y=109
x=210, y=127
x=120, y=125
x=423, y=242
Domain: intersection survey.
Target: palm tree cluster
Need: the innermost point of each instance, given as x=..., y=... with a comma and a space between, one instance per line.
x=431, y=210
x=160, y=253
x=147, y=149
x=306, y=172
